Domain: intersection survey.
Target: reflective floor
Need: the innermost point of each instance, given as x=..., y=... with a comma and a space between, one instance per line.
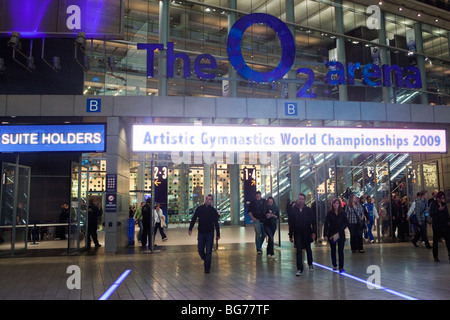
x=175, y=272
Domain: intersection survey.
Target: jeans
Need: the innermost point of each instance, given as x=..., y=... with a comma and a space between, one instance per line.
x=161, y=230
x=270, y=231
x=260, y=235
x=140, y=230
x=368, y=233
x=340, y=244
x=300, y=243
x=205, y=245
x=421, y=232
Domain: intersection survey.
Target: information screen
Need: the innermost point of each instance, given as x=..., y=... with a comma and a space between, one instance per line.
x=42, y=138
x=154, y=138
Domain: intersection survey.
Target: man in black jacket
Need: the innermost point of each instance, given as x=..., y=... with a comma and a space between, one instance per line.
x=208, y=219
x=147, y=224
x=256, y=212
x=302, y=231
x=94, y=213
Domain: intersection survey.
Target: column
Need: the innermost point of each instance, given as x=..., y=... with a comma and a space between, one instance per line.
x=421, y=61
x=232, y=74
x=118, y=162
x=164, y=25
x=295, y=176
x=340, y=45
x=235, y=203
x=292, y=74
x=206, y=179
x=140, y=180
x=448, y=39
x=387, y=91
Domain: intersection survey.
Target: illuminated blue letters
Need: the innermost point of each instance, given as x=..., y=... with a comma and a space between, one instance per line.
x=205, y=64
x=235, y=53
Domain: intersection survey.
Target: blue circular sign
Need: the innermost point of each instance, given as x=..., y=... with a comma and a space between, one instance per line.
x=235, y=54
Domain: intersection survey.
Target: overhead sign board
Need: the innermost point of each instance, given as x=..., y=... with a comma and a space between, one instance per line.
x=42, y=138
x=32, y=18
x=154, y=138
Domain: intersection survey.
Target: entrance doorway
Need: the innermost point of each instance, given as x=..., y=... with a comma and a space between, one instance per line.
x=14, y=209
x=181, y=182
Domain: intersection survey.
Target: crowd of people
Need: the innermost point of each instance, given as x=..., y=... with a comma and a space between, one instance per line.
x=358, y=214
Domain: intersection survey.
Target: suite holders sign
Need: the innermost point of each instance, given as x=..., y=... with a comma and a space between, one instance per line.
x=43, y=138
x=373, y=75
x=154, y=138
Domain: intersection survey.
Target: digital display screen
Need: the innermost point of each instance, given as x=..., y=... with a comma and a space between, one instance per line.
x=44, y=138
x=154, y=138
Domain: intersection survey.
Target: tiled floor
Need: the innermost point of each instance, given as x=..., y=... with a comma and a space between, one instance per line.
x=175, y=272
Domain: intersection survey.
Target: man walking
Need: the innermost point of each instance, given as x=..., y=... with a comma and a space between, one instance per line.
x=147, y=224
x=302, y=231
x=255, y=211
x=94, y=212
x=208, y=220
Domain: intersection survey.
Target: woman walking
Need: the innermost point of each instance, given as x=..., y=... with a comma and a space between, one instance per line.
x=334, y=231
x=356, y=223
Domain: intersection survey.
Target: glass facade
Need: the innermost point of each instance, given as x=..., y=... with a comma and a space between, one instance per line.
x=323, y=31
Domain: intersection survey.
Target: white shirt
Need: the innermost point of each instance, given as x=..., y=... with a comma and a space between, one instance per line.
x=157, y=215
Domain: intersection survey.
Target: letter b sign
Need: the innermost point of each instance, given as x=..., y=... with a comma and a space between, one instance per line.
x=93, y=105
x=290, y=109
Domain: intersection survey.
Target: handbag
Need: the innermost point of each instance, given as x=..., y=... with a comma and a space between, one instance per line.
x=334, y=237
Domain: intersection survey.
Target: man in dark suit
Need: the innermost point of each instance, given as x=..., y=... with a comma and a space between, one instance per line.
x=146, y=224
x=302, y=231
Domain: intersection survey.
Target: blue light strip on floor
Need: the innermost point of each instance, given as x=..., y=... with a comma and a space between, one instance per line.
x=114, y=286
x=404, y=296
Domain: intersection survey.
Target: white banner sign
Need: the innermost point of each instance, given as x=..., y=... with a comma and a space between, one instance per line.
x=155, y=138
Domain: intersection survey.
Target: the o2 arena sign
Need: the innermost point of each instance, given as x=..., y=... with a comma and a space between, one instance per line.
x=205, y=64
x=155, y=138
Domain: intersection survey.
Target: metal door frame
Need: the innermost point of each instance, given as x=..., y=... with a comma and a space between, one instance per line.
x=78, y=212
x=13, y=222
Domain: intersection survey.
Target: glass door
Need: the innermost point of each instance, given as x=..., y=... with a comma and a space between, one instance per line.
x=382, y=198
x=14, y=210
x=78, y=208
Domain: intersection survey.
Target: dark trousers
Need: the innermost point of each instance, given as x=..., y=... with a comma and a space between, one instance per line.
x=437, y=234
x=161, y=230
x=421, y=232
x=146, y=236
x=340, y=244
x=270, y=232
x=301, y=243
x=92, y=233
x=205, y=245
x=356, y=241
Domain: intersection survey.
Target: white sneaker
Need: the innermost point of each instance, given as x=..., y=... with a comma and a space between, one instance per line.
x=299, y=273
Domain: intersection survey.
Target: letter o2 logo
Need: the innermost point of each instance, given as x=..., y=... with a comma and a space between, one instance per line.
x=235, y=54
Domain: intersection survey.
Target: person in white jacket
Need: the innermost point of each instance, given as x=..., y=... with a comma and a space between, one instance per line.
x=373, y=215
x=159, y=221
